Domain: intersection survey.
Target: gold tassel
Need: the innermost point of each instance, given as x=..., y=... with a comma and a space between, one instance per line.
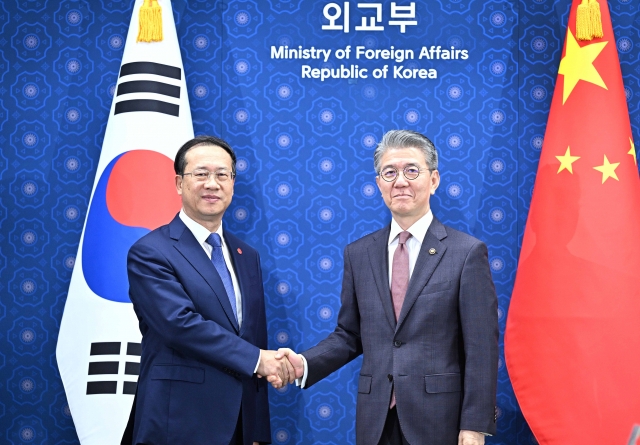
x=583, y=21
x=150, y=22
x=596, y=19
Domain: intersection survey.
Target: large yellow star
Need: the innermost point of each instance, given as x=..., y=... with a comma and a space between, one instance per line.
x=632, y=152
x=577, y=64
x=608, y=169
x=566, y=161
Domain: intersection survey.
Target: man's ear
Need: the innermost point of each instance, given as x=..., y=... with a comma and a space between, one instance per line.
x=179, y=180
x=435, y=181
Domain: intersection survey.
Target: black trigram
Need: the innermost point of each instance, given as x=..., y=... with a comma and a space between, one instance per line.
x=112, y=368
x=148, y=86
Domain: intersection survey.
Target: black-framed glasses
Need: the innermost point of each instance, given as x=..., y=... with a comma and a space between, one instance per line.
x=410, y=172
x=220, y=176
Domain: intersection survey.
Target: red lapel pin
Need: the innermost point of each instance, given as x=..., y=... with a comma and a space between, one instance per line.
x=240, y=251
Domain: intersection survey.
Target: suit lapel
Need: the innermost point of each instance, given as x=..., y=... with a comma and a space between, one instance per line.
x=425, y=266
x=193, y=252
x=379, y=258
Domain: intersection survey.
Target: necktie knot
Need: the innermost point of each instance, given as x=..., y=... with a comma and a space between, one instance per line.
x=404, y=236
x=214, y=240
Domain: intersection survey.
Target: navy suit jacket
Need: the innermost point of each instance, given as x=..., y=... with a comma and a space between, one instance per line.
x=196, y=368
x=442, y=354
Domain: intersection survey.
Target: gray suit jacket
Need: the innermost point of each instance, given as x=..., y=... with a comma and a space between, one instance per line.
x=441, y=356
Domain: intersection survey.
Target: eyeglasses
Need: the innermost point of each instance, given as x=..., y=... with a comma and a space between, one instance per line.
x=204, y=175
x=410, y=172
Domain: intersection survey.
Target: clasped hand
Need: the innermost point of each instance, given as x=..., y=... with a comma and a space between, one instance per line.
x=280, y=367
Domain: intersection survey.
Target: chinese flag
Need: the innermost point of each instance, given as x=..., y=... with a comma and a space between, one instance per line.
x=573, y=331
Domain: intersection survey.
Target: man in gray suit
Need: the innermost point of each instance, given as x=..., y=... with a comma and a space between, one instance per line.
x=419, y=303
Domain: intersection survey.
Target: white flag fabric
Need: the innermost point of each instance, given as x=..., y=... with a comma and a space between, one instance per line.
x=98, y=348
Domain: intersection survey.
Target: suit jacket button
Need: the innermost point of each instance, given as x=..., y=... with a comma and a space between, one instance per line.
x=390, y=377
x=397, y=343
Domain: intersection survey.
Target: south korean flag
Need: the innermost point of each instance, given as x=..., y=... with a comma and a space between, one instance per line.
x=98, y=349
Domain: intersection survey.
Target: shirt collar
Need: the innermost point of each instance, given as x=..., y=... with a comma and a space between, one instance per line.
x=199, y=231
x=418, y=230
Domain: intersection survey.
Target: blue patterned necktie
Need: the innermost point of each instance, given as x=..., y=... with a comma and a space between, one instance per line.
x=217, y=258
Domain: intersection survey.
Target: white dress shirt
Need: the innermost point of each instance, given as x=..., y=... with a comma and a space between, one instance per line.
x=418, y=231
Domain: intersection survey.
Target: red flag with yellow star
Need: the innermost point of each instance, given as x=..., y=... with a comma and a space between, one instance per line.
x=572, y=341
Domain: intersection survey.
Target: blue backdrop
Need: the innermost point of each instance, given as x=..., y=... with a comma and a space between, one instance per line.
x=306, y=182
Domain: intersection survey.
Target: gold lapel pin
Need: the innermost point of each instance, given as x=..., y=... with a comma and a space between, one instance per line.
x=432, y=251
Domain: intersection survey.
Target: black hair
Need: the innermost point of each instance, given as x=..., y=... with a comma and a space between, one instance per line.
x=181, y=162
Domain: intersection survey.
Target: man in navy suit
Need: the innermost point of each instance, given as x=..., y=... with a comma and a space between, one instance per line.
x=197, y=291
x=419, y=303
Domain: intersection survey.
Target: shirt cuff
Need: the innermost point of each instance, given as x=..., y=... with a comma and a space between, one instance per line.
x=255, y=371
x=301, y=382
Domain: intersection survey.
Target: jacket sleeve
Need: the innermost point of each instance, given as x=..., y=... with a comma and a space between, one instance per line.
x=478, y=305
x=262, y=431
x=162, y=305
x=344, y=343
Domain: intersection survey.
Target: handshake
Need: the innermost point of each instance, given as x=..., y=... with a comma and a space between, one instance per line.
x=280, y=367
